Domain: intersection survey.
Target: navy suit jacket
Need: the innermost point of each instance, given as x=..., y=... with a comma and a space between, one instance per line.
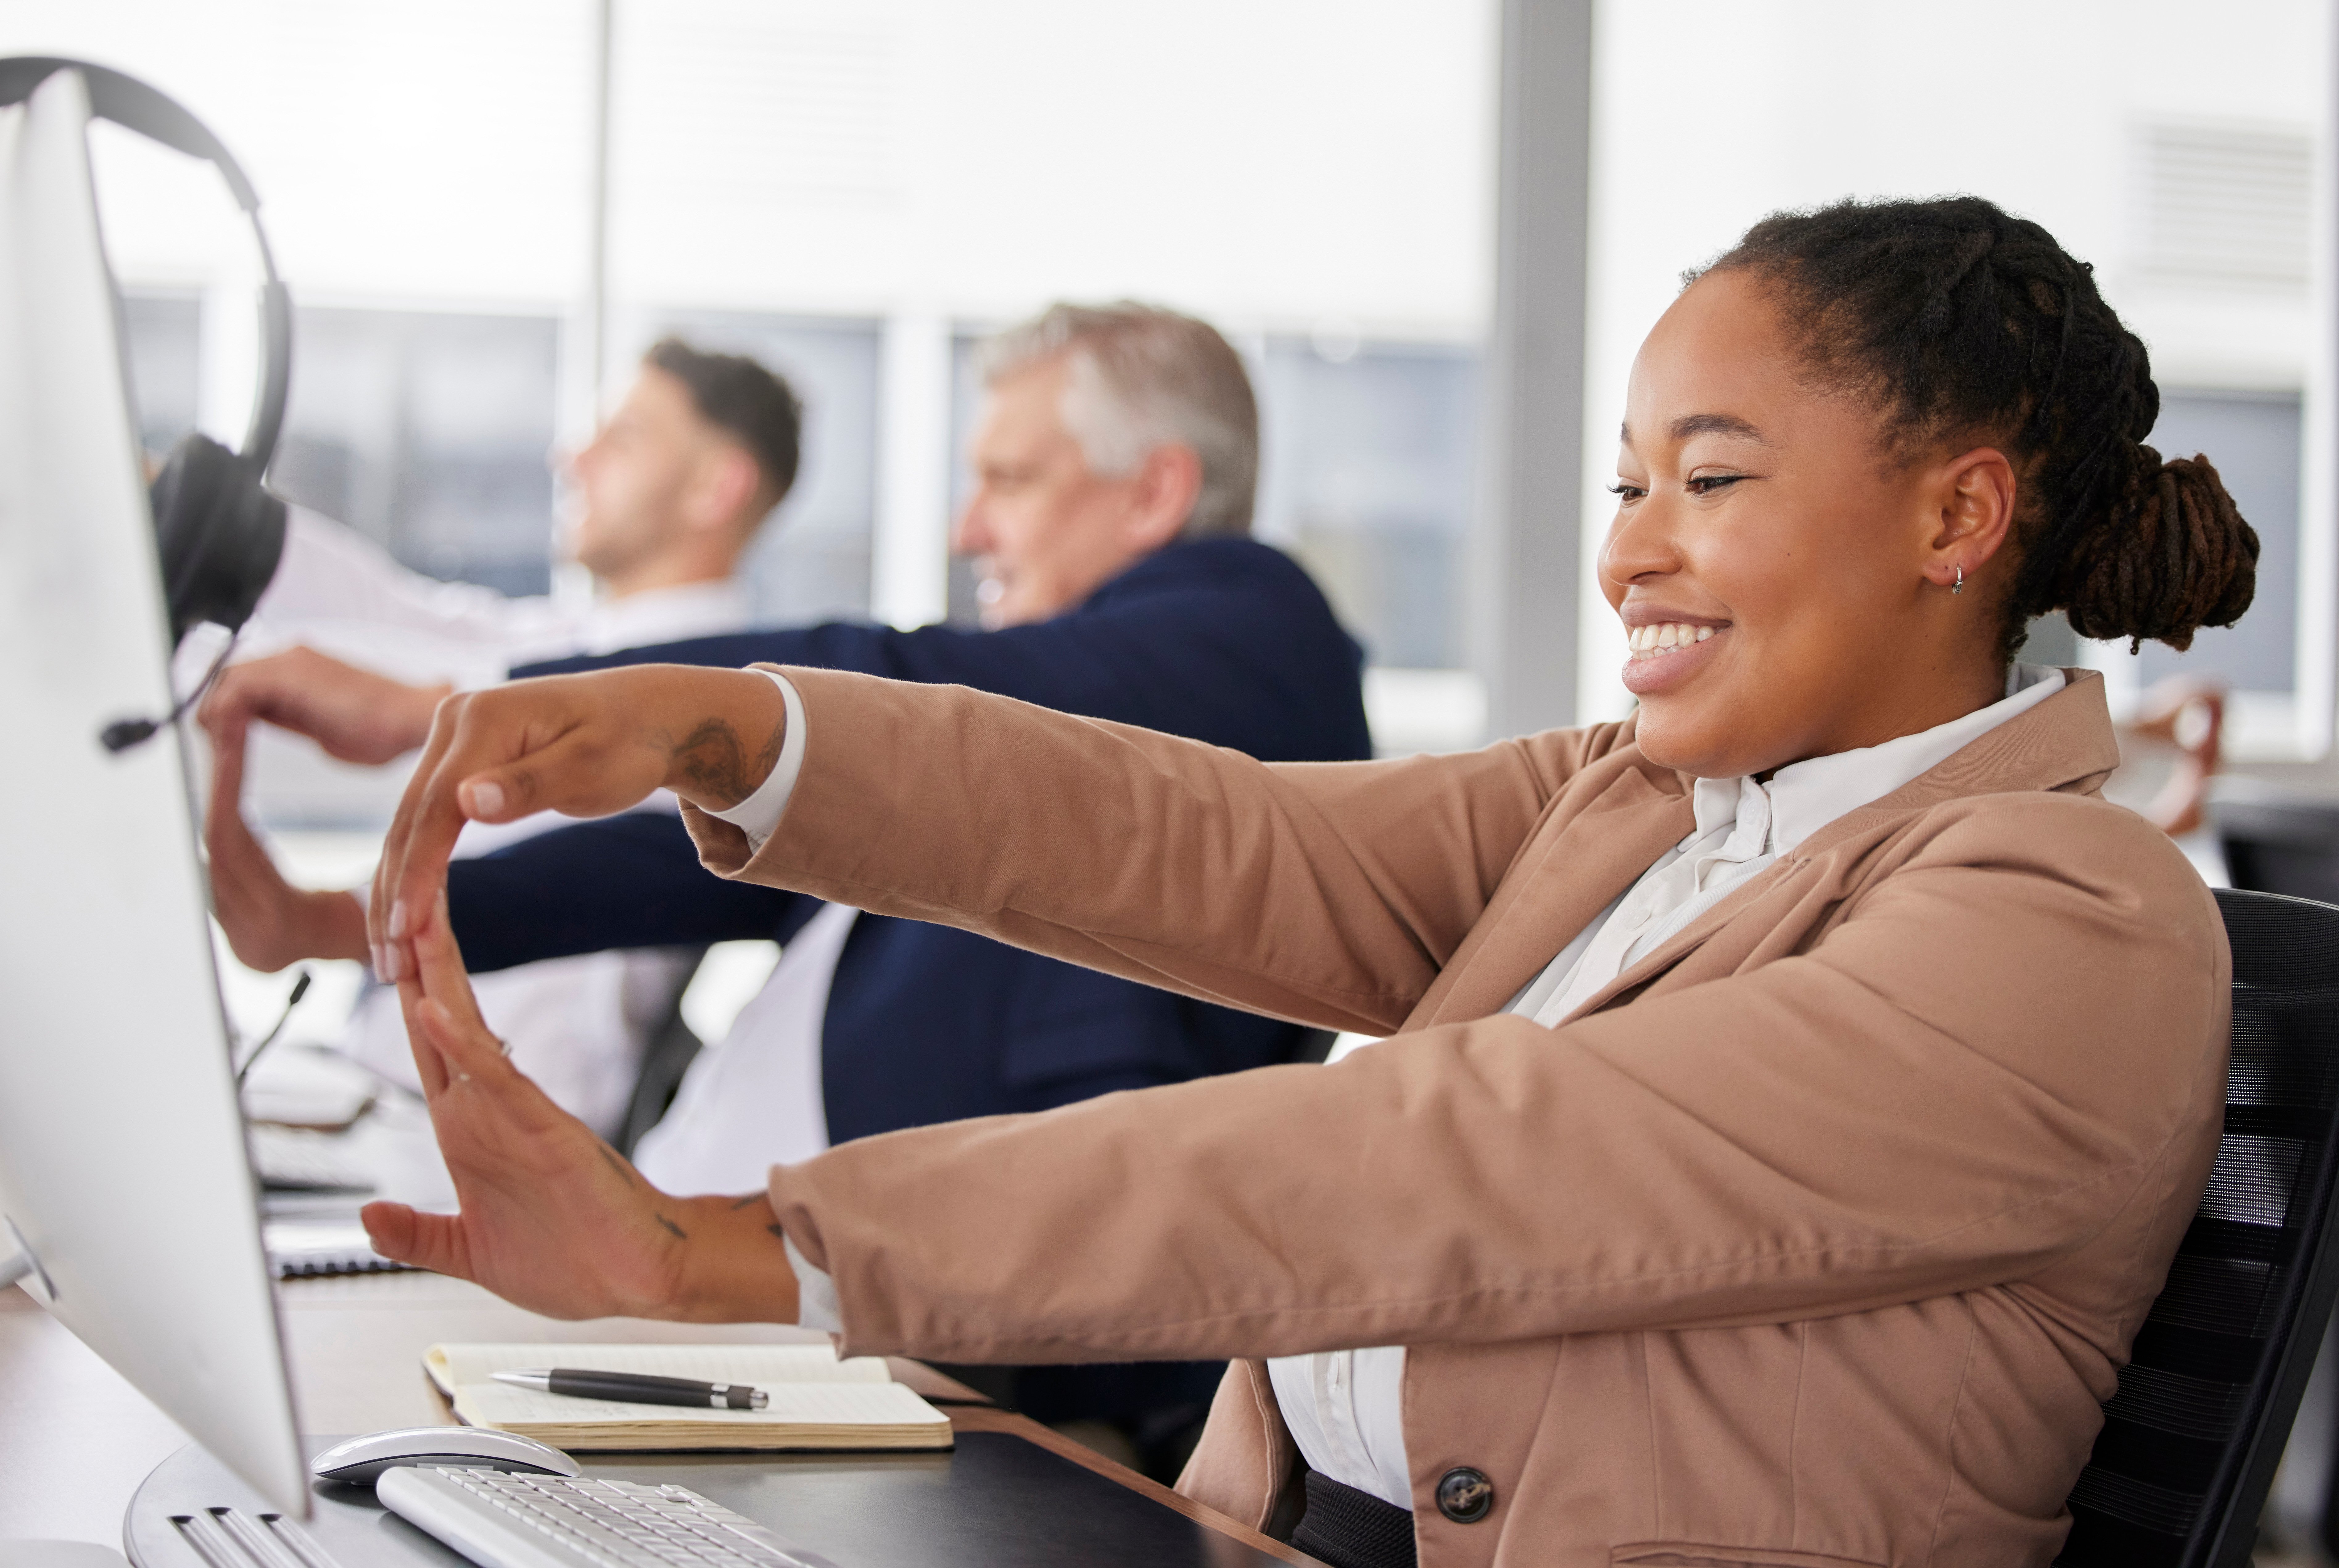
x=1223, y=640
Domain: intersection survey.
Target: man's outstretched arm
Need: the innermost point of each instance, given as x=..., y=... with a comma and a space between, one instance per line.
x=354, y=715
x=627, y=881
x=268, y=922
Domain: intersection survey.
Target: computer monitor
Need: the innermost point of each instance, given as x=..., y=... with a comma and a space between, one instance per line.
x=124, y=1185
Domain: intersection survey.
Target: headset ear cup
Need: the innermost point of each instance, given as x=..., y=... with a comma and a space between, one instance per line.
x=218, y=532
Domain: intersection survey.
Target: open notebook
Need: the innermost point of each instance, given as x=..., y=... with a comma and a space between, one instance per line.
x=818, y=1401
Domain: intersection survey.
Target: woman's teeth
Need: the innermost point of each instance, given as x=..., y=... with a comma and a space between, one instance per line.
x=1648, y=642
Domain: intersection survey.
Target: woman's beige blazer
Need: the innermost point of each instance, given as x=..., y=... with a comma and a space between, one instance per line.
x=1814, y=1239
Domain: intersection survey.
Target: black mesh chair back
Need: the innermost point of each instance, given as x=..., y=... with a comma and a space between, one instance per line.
x=2190, y=1440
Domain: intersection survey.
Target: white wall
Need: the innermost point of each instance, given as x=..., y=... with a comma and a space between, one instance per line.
x=431, y=151
x=1269, y=162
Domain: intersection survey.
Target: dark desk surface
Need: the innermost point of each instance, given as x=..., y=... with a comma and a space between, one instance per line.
x=76, y=1441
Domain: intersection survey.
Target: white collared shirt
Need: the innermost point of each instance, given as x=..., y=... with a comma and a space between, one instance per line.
x=1345, y=1409
x=755, y=1098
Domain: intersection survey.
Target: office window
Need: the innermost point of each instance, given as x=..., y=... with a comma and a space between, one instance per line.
x=163, y=336
x=2254, y=440
x=1366, y=474
x=966, y=399
x=811, y=562
x=430, y=433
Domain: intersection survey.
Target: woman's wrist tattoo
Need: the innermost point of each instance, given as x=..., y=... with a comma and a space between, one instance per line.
x=717, y=764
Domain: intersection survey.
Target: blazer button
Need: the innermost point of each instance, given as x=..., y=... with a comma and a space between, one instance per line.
x=1465, y=1495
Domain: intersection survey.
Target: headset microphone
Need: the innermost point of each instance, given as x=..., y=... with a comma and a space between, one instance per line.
x=218, y=530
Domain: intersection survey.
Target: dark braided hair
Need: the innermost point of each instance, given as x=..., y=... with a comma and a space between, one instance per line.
x=1962, y=322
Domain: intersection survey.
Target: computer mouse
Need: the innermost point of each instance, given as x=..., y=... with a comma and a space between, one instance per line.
x=361, y=1461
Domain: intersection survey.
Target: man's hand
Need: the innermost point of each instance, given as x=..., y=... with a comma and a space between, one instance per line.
x=552, y=1219
x=584, y=745
x=354, y=715
x=269, y=921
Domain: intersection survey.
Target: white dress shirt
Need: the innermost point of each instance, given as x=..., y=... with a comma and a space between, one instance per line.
x=337, y=591
x=1345, y=1409
x=755, y=1099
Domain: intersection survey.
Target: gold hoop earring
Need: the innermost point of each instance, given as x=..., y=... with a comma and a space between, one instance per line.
x=1960, y=586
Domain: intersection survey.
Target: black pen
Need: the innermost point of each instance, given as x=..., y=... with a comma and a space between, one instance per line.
x=636, y=1389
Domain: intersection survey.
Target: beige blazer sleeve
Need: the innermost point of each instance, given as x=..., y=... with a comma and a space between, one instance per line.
x=1710, y=1155
x=1329, y=892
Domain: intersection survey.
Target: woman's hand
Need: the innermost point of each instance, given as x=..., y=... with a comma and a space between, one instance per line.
x=584, y=745
x=551, y=1218
x=269, y=921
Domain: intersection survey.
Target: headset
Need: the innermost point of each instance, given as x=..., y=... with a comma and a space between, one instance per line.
x=218, y=530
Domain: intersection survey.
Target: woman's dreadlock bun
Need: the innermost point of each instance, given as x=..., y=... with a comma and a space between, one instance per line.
x=1963, y=322
x=2173, y=556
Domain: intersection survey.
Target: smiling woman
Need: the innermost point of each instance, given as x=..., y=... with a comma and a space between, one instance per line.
x=1797, y=1092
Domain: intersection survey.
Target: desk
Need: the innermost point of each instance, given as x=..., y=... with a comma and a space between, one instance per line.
x=75, y=1439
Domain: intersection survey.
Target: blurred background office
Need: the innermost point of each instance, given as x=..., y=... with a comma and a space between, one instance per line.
x=486, y=212
x=1437, y=229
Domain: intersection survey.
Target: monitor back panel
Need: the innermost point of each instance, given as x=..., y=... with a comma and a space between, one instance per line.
x=122, y=1160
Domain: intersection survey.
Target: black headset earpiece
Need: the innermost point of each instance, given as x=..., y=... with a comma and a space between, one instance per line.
x=218, y=532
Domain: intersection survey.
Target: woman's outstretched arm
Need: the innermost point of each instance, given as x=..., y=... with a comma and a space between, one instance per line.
x=1332, y=893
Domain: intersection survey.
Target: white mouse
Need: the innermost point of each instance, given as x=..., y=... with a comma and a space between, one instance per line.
x=361, y=1461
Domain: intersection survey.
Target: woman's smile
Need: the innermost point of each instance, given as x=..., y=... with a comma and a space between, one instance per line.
x=1666, y=652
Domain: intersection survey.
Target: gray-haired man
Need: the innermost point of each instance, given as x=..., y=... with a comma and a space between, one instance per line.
x=1105, y=433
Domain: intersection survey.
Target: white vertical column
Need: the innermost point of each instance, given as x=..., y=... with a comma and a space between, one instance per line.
x=596, y=238
x=1526, y=568
x=2318, y=495
x=909, y=554
x=584, y=370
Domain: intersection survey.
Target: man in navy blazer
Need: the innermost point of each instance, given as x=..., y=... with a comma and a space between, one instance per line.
x=1115, y=464
x=1222, y=639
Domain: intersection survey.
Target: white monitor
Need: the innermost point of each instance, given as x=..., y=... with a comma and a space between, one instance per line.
x=123, y=1167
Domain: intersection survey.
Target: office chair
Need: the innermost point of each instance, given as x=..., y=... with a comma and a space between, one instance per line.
x=2277, y=843
x=671, y=1048
x=2204, y=1407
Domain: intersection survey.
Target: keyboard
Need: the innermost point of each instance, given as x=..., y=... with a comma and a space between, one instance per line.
x=501, y=1520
